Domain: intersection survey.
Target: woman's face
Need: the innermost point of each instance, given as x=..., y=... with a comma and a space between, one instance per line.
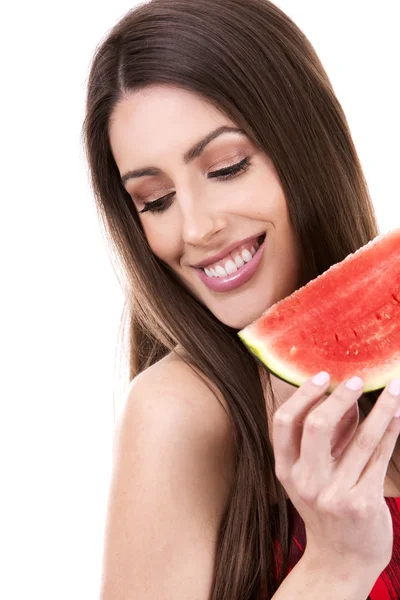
x=202, y=216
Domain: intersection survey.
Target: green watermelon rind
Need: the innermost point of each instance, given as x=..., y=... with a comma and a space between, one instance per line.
x=287, y=372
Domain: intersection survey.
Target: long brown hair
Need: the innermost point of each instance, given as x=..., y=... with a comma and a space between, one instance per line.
x=255, y=65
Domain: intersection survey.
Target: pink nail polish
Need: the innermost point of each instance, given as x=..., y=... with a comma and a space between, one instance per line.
x=321, y=378
x=354, y=384
x=394, y=387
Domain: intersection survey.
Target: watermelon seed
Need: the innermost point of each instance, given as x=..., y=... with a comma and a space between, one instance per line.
x=396, y=299
x=336, y=336
x=355, y=332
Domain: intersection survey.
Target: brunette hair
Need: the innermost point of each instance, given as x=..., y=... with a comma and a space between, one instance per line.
x=256, y=66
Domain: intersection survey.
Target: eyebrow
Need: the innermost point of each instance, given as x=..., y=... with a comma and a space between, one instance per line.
x=190, y=155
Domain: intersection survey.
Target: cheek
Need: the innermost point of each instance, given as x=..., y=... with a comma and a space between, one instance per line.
x=158, y=248
x=161, y=242
x=152, y=236
x=281, y=217
x=284, y=248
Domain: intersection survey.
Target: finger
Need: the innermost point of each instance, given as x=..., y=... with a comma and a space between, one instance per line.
x=374, y=473
x=321, y=424
x=366, y=439
x=345, y=431
x=288, y=424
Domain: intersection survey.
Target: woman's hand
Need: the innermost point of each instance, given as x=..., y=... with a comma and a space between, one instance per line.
x=339, y=497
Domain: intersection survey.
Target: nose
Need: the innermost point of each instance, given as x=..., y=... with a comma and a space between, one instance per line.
x=200, y=221
x=202, y=230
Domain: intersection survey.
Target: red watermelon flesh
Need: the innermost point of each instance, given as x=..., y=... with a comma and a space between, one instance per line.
x=346, y=321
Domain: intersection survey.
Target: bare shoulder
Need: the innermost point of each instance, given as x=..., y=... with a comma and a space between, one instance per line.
x=173, y=468
x=182, y=391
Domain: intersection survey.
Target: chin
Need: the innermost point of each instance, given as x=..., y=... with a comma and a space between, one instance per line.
x=240, y=321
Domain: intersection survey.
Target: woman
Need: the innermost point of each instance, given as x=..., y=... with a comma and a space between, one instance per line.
x=212, y=132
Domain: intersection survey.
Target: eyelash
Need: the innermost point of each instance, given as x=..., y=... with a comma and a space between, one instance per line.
x=221, y=175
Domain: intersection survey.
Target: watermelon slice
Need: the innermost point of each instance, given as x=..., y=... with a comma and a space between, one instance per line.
x=346, y=321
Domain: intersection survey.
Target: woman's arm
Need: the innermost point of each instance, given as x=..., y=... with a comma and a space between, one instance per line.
x=170, y=482
x=313, y=580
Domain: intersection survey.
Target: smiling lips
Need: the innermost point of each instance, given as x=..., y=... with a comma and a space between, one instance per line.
x=241, y=275
x=233, y=261
x=224, y=254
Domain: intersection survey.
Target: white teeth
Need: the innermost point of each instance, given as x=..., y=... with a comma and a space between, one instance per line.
x=232, y=266
x=246, y=255
x=220, y=271
x=239, y=262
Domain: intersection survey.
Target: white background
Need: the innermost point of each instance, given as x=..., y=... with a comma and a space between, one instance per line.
x=61, y=302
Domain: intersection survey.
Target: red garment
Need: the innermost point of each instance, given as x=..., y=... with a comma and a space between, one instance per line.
x=387, y=586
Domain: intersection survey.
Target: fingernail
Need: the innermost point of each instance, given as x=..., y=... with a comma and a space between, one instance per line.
x=355, y=383
x=321, y=378
x=394, y=387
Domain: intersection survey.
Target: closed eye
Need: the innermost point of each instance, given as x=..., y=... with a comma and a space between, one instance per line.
x=159, y=205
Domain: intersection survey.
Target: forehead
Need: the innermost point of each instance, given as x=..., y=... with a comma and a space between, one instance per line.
x=161, y=119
